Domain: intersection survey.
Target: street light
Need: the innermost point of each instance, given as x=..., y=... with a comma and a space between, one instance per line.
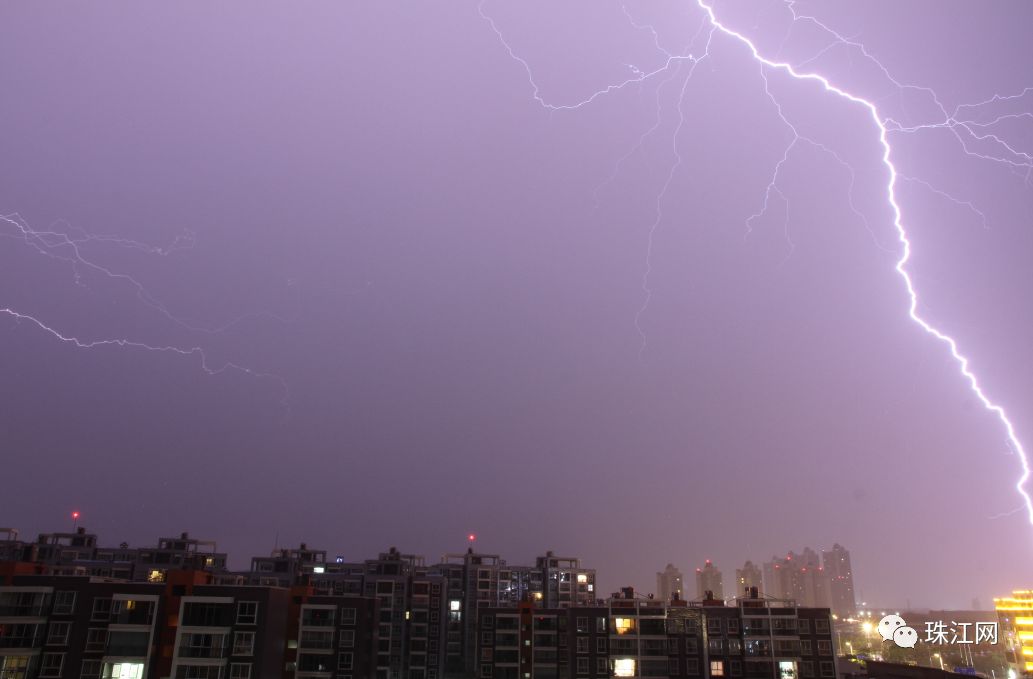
x=940, y=658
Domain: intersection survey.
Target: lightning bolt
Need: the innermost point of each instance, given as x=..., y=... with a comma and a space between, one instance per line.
x=66, y=246
x=964, y=123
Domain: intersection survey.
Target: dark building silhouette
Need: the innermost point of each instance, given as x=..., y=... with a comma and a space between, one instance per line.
x=627, y=636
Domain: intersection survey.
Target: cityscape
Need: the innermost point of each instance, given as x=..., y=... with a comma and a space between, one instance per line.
x=488, y=339
x=73, y=606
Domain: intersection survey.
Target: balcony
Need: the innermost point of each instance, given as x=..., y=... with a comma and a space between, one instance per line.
x=317, y=618
x=326, y=644
x=31, y=610
x=20, y=642
x=210, y=652
x=131, y=612
x=126, y=651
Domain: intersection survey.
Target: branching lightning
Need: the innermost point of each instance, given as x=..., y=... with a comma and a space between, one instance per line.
x=971, y=126
x=66, y=246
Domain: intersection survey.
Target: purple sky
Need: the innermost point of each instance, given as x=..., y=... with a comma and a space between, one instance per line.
x=447, y=278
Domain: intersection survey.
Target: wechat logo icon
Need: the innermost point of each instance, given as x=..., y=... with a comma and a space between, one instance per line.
x=893, y=628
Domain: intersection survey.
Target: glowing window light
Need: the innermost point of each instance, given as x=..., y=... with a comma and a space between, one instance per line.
x=624, y=626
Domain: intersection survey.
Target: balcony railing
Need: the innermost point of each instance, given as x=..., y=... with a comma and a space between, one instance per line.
x=127, y=650
x=202, y=651
x=317, y=644
x=36, y=610
x=135, y=617
x=21, y=642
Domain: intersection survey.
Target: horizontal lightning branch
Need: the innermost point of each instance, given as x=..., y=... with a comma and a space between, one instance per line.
x=64, y=247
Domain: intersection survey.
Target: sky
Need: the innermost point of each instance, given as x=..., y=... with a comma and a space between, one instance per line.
x=582, y=277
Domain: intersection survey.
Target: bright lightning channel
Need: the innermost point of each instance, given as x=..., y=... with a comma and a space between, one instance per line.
x=1017, y=160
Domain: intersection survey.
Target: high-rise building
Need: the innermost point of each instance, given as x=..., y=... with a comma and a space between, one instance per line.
x=474, y=581
x=669, y=582
x=836, y=564
x=413, y=608
x=486, y=580
x=1015, y=618
x=567, y=582
x=708, y=579
x=799, y=577
x=746, y=577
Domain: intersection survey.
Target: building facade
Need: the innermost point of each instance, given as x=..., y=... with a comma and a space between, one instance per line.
x=708, y=579
x=799, y=577
x=79, y=553
x=633, y=637
x=1015, y=620
x=836, y=565
x=80, y=627
x=747, y=578
x=670, y=584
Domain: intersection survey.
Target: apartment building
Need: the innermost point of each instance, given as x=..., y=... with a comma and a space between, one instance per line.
x=63, y=627
x=79, y=553
x=634, y=637
x=66, y=626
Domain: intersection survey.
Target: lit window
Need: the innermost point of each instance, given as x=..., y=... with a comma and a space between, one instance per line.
x=454, y=605
x=156, y=576
x=582, y=578
x=319, y=569
x=717, y=668
x=624, y=625
x=624, y=667
x=126, y=670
